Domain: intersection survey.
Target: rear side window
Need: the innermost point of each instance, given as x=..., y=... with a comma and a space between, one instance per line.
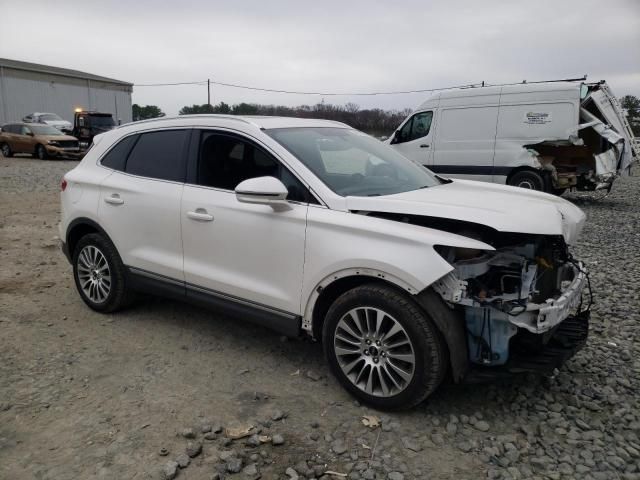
x=117, y=156
x=159, y=155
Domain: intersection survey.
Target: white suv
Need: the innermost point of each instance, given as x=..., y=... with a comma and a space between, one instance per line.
x=310, y=226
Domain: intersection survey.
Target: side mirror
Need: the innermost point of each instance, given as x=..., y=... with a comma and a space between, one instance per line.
x=263, y=190
x=29, y=133
x=396, y=137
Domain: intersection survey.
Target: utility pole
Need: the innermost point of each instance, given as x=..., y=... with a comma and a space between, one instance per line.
x=208, y=91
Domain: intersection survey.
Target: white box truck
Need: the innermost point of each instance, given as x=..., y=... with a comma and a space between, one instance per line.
x=544, y=136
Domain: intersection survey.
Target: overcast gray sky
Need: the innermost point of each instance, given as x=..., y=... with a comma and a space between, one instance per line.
x=334, y=46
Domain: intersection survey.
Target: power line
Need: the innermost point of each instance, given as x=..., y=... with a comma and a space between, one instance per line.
x=295, y=92
x=327, y=94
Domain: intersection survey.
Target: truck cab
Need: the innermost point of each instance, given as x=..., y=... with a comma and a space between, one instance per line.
x=88, y=124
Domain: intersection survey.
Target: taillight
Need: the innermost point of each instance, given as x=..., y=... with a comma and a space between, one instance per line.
x=63, y=185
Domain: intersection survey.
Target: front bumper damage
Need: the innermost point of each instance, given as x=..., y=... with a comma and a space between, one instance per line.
x=509, y=327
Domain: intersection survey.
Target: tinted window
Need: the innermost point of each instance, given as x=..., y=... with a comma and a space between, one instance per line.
x=418, y=126
x=225, y=161
x=159, y=155
x=117, y=156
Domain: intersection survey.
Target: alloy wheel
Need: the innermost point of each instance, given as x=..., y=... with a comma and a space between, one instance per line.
x=374, y=351
x=94, y=274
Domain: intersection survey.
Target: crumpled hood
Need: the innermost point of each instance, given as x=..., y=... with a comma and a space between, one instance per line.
x=501, y=207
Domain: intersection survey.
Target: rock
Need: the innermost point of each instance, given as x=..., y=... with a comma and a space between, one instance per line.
x=435, y=438
x=291, y=473
x=210, y=436
x=277, y=439
x=251, y=471
x=206, y=428
x=410, y=444
x=313, y=375
x=482, y=426
x=169, y=470
x=183, y=460
x=188, y=433
x=339, y=447
x=253, y=441
x=395, y=476
x=277, y=415
x=194, y=449
x=234, y=465
x=226, y=455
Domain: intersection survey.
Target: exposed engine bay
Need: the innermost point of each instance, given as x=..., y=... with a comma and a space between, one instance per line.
x=513, y=297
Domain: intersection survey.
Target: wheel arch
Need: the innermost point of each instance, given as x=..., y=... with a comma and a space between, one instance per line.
x=80, y=227
x=449, y=322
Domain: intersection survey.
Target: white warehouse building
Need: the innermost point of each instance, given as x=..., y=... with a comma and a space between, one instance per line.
x=30, y=87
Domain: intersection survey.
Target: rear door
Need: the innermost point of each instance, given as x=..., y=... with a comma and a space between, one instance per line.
x=139, y=203
x=414, y=139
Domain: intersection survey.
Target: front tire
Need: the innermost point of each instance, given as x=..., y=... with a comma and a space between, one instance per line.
x=6, y=150
x=99, y=274
x=383, y=348
x=527, y=179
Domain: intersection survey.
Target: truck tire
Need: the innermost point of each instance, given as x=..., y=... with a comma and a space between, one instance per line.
x=383, y=347
x=527, y=179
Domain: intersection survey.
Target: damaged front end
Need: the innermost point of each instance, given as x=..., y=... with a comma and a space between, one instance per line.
x=522, y=303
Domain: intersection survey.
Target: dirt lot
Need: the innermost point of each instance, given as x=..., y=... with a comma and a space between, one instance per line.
x=84, y=395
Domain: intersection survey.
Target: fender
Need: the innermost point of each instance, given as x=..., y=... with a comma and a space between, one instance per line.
x=80, y=221
x=307, y=319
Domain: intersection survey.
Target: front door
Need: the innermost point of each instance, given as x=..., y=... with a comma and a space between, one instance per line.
x=247, y=252
x=414, y=138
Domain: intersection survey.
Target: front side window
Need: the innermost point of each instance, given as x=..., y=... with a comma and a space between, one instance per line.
x=159, y=155
x=418, y=126
x=350, y=162
x=24, y=130
x=48, y=117
x=224, y=161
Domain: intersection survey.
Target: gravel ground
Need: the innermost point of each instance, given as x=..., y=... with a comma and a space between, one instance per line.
x=167, y=389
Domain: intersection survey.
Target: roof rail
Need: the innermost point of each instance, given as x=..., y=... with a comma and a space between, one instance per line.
x=197, y=115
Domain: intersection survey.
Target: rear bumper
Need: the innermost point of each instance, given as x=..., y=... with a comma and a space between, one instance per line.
x=562, y=344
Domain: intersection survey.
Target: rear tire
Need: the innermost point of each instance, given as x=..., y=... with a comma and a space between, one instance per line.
x=527, y=179
x=383, y=348
x=6, y=150
x=41, y=153
x=99, y=274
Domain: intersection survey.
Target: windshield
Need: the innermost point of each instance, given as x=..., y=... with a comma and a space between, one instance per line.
x=101, y=120
x=45, y=130
x=352, y=163
x=48, y=117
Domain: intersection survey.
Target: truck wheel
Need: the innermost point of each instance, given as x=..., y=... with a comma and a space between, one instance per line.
x=41, y=153
x=6, y=150
x=527, y=179
x=383, y=348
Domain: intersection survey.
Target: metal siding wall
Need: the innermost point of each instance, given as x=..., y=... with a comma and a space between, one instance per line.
x=27, y=92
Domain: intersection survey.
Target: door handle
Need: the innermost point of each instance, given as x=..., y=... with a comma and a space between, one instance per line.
x=200, y=215
x=114, y=199
x=424, y=145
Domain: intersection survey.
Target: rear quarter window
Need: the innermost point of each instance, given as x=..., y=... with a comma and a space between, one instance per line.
x=116, y=158
x=159, y=155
